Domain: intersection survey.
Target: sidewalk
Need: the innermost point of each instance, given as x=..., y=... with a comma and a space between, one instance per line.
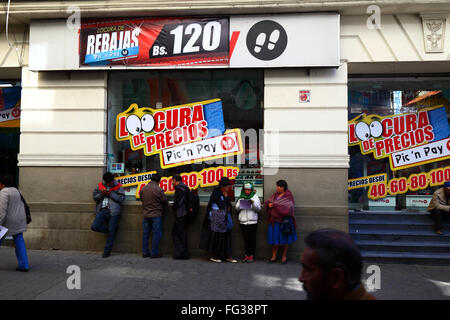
x=129, y=276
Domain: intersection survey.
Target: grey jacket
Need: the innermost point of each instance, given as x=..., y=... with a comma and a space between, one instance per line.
x=115, y=200
x=12, y=211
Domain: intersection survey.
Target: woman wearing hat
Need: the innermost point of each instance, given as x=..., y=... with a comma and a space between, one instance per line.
x=248, y=207
x=216, y=232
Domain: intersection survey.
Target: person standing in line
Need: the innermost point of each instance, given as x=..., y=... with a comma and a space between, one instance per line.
x=280, y=207
x=154, y=202
x=216, y=232
x=248, y=206
x=13, y=217
x=179, y=234
x=439, y=207
x=109, y=196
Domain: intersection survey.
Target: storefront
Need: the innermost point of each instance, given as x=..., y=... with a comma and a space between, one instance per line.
x=200, y=97
x=398, y=141
x=292, y=101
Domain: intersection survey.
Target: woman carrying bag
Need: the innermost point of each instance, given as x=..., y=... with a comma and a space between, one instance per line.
x=13, y=217
x=216, y=232
x=282, y=226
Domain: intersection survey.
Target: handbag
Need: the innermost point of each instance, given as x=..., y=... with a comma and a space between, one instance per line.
x=286, y=225
x=27, y=209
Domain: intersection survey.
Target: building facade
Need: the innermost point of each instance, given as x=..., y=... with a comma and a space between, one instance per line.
x=302, y=114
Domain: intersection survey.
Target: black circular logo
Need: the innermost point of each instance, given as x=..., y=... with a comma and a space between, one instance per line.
x=124, y=52
x=266, y=40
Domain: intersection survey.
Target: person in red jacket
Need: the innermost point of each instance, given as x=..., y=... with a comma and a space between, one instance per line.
x=109, y=196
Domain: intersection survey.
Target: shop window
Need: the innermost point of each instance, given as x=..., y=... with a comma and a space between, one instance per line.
x=399, y=142
x=10, y=97
x=240, y=94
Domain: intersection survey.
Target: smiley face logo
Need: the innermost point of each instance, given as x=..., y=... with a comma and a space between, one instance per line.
x=266, y=40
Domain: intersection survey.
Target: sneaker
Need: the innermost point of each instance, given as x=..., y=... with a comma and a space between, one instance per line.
x=231, y=260
x=146, y=255
x=250, y=259
x=106, y=254
x=245, y=259
x=439, y=232
x=215, y=260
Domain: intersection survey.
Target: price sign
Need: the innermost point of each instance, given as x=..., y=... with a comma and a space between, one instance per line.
x=191, y=42
x=154, y=42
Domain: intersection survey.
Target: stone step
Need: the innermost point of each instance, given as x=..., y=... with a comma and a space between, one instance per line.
x=403, y=246
x=406, y=257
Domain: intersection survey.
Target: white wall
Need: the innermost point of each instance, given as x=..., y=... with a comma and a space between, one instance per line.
x=400, y=39
x=305, y=135
x=13, y=55
x=63, y=120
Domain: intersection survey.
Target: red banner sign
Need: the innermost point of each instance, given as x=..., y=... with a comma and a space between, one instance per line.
x=154, y=42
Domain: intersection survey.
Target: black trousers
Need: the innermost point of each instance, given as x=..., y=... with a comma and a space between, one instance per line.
x=438, y=216
x=249, y=233
x=179, y=236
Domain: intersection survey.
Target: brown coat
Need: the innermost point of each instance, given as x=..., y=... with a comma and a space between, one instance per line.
x=439, y=201
x=359, y=294
x=153, y=200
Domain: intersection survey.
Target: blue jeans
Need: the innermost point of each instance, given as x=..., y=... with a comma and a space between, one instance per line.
x=155, y=224
x=21, y=251
x=106, y=223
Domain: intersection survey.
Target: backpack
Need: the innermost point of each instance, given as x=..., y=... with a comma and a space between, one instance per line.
x=192, y=204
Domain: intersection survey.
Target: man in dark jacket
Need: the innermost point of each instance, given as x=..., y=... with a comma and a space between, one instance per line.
x=109, y=196
x=179, y=233
x=153, y=202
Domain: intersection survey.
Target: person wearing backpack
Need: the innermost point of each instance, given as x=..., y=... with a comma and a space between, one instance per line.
x=180, y=208
x=248, y=207
x=13, y=217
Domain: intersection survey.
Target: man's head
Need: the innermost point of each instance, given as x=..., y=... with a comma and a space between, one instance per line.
x=447, y=188
x=156, y=177
x=6, y=180
x=108, y=178
x=176, y=179
x=332, y=265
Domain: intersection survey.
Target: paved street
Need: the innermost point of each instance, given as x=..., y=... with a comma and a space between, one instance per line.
x=129, y=276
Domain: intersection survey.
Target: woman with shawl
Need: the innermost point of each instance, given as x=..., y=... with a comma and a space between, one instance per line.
x=282, y=226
